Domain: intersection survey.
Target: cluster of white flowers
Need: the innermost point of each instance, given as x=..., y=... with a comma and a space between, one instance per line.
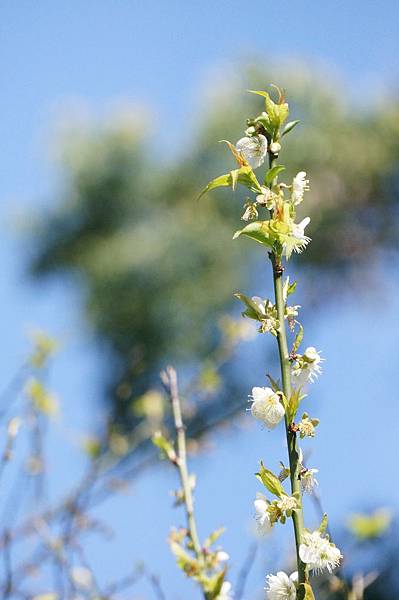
x=253, y=149
x=300, y=185
x=308, y=480
x=281, y=586
x=318, y=553
x=267, y=406
x=307, y=366
x=306, y=426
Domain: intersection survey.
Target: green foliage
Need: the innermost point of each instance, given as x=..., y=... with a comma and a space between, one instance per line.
x=270, y=481
x=156, y=270
x=370, y=526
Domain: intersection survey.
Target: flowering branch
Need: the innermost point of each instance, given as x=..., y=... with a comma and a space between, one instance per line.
x=281, y=235
x=198, y=561
x=169, y=379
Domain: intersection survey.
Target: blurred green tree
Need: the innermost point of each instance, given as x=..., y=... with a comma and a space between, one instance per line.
x=158, y=268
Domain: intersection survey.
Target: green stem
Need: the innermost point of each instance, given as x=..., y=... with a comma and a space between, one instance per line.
x=292, y=443
x=182, y=461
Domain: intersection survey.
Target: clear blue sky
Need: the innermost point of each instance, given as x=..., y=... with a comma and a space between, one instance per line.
x=159, y=54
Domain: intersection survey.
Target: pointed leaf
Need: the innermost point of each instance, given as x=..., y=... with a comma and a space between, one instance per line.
x=306, y=592
x=273, y=173
x=221, y=181
x=324, y=524
x=252, y=311
x=258, y=231
x=289, y=127
x=274, y=383
x=213, y=537
x=270, y=481
x=298, y=340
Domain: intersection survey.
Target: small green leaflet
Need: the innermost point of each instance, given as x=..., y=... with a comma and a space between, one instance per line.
x=270, y=481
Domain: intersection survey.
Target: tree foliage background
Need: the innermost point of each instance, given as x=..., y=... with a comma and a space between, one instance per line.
x=157, y=267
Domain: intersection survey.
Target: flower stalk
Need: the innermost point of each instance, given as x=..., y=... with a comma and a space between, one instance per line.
x=278, y=231
x=292, y=443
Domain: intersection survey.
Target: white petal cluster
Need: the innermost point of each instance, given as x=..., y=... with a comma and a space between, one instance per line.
x=253, y=149
x=319, y=553
x=307, y=366
x=266, y=406
x=262, y=514
x=267, y=198
x=226, y=592
x=309, y=481
x=298, y=232
x=287, y=504
x=281, y=587
x=299, y=186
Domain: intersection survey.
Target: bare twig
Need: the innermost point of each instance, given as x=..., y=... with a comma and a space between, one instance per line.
x=245, y=570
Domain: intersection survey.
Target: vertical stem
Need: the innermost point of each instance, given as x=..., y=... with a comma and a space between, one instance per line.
x=292, y=444
x=182, y=460
x=285, y=368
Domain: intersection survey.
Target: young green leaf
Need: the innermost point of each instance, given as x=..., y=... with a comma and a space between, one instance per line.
x=258, y=231
x=306, y=592
x=289, y=127
x=166, y=447
x=270, y=481
x=213, y=537
x=324, y=524
x=298, y=339
x=273, y=173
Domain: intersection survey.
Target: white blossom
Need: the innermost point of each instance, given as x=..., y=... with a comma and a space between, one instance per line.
x=287, y=504
x=298, y=232
x=319, y=553
x=299, y=185
x=253, y=149
x=306, y=427
x=275, y=147
x=262, y=515
x=266, y=406
x=309, y=481
x=222, y=556
x=266, y=198
x=281, y=587
x=307, y=366
x=226, y=592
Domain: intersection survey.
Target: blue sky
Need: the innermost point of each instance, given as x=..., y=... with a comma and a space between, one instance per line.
x=160, y=54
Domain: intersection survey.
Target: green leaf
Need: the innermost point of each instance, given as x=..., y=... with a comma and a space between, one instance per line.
x=166, y=447
x=221, y=181
x=273, y=383
x=252, y=311
x=270, y=481
x=244, y=175
x=291, y=288
x=367, y=527
x=213, y=537
x=258, y=231
x=273, y=173
x=306, y=592
x=289, y=127
x=214, y=585
x=298, y=339
x=324, y=524
x=293, y=404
